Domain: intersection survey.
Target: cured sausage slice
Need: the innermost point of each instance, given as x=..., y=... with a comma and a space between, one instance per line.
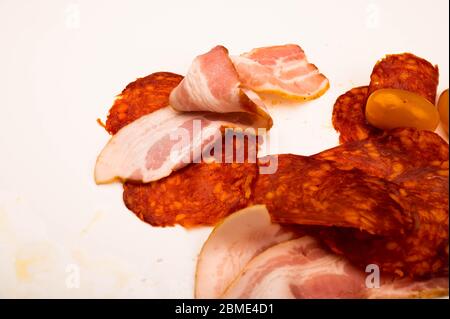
x=349, y=117
x=416, y=161
x=392, y=154
x=396, y=71
x=141, y=97
x=199, y=194
x=406, y=72
x=308, y=191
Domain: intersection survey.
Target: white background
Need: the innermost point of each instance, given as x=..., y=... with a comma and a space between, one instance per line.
x=62, y=63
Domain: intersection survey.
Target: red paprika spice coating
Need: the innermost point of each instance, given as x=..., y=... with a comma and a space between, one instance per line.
x=416, y=161
x=349, y=117
x=141, y=97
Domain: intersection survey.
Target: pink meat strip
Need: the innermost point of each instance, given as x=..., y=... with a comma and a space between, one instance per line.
x=282, y=70
x=297, y=268
x=158, y=143
x=212, y=84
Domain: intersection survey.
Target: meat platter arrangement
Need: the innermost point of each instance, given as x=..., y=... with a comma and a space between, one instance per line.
x=365, y=219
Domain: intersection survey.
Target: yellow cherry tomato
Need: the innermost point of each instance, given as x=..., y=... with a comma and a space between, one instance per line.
x=392, y=108
x=443, y=109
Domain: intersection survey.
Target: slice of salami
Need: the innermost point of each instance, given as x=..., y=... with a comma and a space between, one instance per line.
x=308, y=191
x=396, y=71
x=349, y=117
x=141, y=97
x=391, y=154
x=199, y=194
x=416, y=161
x=406, y=72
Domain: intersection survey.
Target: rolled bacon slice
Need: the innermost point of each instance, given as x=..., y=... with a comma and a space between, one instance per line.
x=281, y=70
x=212, y=84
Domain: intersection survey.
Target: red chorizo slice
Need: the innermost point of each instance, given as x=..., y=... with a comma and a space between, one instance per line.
x=141, y=97
x=349, y=117
x=421, y=254
x=406, y=72
x=396, y=71
x=391, y=154
x=308, y=191
x=199, y=194
x=416, y=161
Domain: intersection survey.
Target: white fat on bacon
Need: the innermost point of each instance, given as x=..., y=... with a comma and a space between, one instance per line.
x=235, y=241
x=248, y=256
x=156, y=144
x=281, y=70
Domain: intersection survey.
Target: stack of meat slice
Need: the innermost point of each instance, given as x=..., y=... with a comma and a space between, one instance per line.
x=380, y=198
x=248, y=256
x=215, y=94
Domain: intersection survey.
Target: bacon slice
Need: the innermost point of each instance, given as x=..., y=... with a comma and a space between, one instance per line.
x=232, y=243
x=212, y=84
x=156, y=144
x=298, y=268
x=395, y=71
x=281, y=70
